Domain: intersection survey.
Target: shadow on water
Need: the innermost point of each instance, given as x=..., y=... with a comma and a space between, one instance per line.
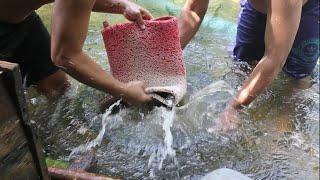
x=278, y=137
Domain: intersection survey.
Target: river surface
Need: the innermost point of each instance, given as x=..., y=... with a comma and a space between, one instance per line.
x=278, y=136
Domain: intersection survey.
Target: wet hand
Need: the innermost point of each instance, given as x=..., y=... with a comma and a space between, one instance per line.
x=134, y=12
x=135, y=93
x=228, y=120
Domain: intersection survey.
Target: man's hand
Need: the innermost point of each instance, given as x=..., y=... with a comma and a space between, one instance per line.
x=134, y=12
x=228, y=119
x=135, y=93
x=130, y=10
x=283, y=18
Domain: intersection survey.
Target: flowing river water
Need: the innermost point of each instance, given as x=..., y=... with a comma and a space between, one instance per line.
x=278, y=136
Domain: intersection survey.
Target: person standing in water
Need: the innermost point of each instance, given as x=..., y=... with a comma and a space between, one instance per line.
x=276, y=34
x=44, y=61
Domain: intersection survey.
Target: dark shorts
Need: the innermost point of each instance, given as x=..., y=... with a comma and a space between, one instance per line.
x=305, y=51
x=28, y=44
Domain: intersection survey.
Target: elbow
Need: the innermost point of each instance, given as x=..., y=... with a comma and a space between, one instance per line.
x=193, y=13
x=198, y=7
x=62, y=59
x=63, y=54
x=56, y=58
x=205, y=5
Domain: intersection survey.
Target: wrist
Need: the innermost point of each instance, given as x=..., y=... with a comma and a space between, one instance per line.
x=123, y=5
x=117, y=6
x=122, y=90
x=235, y=104
x=117, y=89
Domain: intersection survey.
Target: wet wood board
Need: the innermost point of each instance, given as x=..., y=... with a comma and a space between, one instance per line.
x=19, y=156
x=21, y=153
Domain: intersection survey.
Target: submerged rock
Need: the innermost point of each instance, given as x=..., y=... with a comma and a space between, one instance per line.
x=225, y=174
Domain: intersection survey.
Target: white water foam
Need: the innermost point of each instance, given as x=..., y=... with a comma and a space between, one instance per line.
x=165, y=150
x=97, y=141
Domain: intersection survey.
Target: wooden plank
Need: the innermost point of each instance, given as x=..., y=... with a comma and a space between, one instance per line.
x=65, y=174
x=19, y=165
x=13, y=84
x=16, y=160
x=7, y=109
x=11, y=138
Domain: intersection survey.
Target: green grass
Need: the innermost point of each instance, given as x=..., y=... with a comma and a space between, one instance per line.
x=57, y=163
x=222, y=8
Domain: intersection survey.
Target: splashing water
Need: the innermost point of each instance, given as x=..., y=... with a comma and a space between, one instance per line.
x=279, y=138
x=97, y=141
x=165, y=151
x=168, y=138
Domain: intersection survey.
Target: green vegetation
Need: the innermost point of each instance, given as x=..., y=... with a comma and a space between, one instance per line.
x=225, y=9
x=45, y=14
x=57, y=163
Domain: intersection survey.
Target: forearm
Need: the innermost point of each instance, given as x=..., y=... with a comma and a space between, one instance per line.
x=66, y=46
x=66, y=51
x=81, y=67
x=283, y=19
x=261, y=77
x=110, y=6
x=190, y=19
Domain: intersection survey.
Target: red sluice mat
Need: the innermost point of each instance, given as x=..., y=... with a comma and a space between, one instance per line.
x=152, y=55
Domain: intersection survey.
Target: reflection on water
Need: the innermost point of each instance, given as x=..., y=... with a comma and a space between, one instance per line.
x=278, y=137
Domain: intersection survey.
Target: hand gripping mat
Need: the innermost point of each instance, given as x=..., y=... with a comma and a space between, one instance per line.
x=153, y=55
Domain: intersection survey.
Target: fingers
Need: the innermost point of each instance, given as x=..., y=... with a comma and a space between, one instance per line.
x=148, y=98
x=148, y=90
x=139, y=20
x=143, y=85
x=128, y=16
x=136, y=13
x=146, y=15
x=105, y=24
x=138, y=92
x=137, y=17
x=143, y=15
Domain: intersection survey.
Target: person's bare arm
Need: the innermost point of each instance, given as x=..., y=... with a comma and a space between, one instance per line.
x=69, y=29
x=130, y=10
x=110, y=6
x=190, y=19
x=282, y=25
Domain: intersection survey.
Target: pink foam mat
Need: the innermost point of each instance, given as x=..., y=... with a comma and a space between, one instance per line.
x=152, y=55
